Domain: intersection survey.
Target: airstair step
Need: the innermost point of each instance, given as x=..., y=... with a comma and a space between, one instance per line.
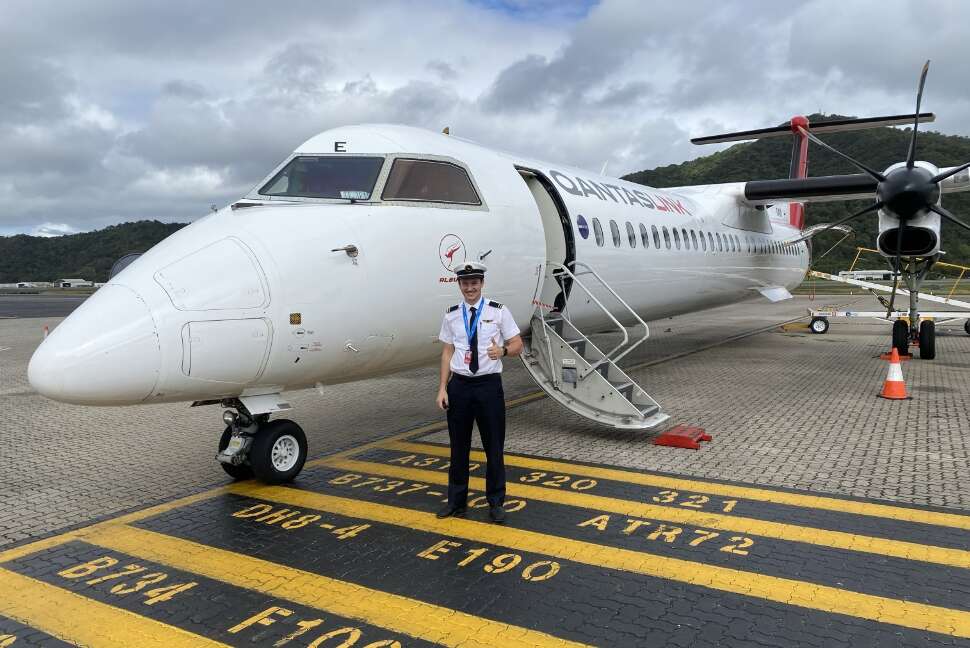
x=557, y=324
x=573, y=370
x=623, y=387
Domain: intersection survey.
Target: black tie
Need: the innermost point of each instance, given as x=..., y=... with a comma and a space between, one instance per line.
x=473, y=366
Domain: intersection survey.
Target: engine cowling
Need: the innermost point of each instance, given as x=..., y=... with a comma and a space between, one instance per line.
x=921, y=236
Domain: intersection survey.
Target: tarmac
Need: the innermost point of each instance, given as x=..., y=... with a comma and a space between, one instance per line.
x=819, y=514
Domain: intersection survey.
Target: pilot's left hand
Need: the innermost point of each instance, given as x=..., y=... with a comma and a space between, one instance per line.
x=495, y=351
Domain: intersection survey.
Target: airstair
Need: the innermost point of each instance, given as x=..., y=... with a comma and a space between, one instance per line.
x=575, y=372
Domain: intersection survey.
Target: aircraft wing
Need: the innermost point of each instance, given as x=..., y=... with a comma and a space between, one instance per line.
x=854, y=186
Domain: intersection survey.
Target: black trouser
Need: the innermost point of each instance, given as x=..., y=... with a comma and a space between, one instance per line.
x=480, y=399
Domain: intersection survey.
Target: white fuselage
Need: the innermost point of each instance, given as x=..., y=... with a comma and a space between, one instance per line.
x=255, y=299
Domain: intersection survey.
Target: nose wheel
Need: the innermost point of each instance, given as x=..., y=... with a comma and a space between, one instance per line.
x=278, y=451
x=272, y=451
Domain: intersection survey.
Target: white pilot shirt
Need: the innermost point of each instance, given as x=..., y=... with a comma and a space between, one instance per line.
x=496, y=322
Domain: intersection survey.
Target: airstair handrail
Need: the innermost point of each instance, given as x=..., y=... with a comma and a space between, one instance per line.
x=646, y=329
x=626, y=337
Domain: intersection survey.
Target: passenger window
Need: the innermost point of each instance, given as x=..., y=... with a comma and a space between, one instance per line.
x=631, y=234
x=430, y=181
x=337, y=177
x=720, y=242
x=615, y=231
x=666, y=237
x=683, y=234
x=676, y=238
x=703, y=242
x=656, y=236
x=693, y=238
x=598, y=231
x=644, y=237
x=710, y=240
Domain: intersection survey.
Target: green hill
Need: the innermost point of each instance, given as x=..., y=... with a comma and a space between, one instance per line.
x=878, y=148
x=86, y=256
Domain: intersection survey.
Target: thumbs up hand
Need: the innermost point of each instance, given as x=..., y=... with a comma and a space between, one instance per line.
x=495, y=351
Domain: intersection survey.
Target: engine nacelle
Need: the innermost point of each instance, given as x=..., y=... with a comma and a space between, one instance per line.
x=921, y=238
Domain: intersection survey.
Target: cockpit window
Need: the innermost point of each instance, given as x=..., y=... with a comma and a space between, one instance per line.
x=326, y=177
x=428, y=180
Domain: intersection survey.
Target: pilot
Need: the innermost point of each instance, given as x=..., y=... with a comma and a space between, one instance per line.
x=476, y=334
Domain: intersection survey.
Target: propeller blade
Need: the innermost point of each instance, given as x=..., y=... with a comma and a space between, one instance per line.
x=948, y=216
x=811, y=231
x=898, y=263
x=859, y=165
x=910, y=159
x=946, y=174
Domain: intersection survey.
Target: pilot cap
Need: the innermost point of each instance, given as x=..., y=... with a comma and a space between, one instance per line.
x=471, y=270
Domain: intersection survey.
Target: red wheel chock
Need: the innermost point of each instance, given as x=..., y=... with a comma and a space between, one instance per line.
x=682, y=436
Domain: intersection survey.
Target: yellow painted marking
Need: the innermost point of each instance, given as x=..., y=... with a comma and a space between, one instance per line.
x=748, y=526
x=79, y=620
x=723, y=490
x=783, y=590
x=397, y=613
x=54, y=541
x=424, y=429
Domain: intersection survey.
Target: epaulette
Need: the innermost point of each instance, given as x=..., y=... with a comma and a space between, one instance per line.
x=452, y=309
x=494, y=304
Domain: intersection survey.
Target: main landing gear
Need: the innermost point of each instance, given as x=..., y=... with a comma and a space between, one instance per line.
x=925, y=338
x=253, y=446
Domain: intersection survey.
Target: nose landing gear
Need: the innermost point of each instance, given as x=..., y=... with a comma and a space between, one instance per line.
x=272, y=451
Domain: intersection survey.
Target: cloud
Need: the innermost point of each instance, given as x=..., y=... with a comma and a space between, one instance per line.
x=444, y=70
x=49, y=230
x=115, y=111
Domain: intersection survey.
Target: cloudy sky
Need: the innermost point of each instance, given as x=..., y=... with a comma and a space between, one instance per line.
x=120, y=110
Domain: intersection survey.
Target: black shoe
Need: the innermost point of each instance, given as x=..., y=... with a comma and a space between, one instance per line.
x=449, y=510
x=497, y=513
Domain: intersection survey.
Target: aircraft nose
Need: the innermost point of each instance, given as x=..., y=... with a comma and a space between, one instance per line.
x=105, y=353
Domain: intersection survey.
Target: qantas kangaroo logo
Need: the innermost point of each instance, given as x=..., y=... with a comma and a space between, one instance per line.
x=451, y=251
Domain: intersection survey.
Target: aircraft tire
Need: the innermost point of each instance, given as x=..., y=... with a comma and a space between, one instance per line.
x=819, y=325
x=278, y=452
x=901, y=337
x=240, y=472
x=966, y=326
x=927, y=340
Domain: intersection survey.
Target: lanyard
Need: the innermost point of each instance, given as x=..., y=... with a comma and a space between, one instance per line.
x=478, y=316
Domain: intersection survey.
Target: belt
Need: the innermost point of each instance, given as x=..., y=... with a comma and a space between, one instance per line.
x=482, y=378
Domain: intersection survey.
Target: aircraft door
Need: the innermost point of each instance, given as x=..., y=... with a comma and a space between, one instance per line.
x=559, y=239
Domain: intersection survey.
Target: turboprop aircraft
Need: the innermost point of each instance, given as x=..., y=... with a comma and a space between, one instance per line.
x=338, y=266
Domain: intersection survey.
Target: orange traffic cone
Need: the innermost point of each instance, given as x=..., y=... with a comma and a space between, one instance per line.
x=46, y=331
x=894, y=388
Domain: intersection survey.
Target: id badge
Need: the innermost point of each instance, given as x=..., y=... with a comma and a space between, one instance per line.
x=468, y=357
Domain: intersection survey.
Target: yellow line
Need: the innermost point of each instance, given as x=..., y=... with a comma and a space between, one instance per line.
x=738, y=524
x=54, y=541
x=723, y=490
x=79, y=620
x=424, y=429
x=397, y=613
x=783, y=590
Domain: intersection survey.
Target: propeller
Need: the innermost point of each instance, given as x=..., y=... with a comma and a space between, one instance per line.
x=906, y=191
